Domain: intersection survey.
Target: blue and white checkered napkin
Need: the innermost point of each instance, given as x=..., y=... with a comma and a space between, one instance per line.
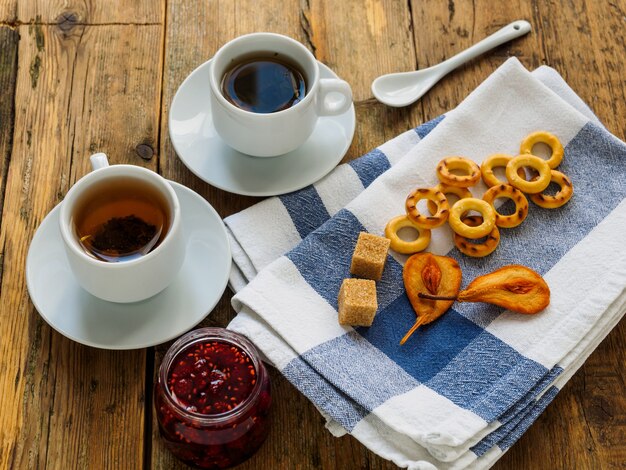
x=463, y=389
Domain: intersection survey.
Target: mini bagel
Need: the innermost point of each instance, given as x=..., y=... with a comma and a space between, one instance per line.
x=401, y=246
x=445, y=175
x=446, y=189
x=564, y=194
x=495, y=161
x=423, y=221
x=477, y=250
x=550, y=140
x=536, y=185
x=462, y=207
x=521, y=204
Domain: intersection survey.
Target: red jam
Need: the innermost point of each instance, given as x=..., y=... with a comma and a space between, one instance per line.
x=213, y=411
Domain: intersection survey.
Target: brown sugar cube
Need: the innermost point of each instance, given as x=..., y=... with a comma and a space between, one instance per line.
x=357, y=302
x=370, y=253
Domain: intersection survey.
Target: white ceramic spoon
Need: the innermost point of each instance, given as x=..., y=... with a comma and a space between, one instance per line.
x=402, y=89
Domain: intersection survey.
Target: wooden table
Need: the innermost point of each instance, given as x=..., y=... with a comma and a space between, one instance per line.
x=83, y=76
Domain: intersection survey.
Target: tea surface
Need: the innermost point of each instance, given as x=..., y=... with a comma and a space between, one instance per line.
x=264, y=85
x=121, y=220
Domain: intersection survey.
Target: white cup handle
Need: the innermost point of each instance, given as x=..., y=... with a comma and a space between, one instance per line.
x=99, y=160
x=334, y=107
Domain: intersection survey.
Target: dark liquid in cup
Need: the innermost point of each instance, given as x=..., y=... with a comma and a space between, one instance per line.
x=121, y=219
x=263, y=84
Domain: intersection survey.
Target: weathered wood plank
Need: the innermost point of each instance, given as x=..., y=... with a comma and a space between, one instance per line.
x=9, y=39
x=79, y=89
x=82, y=11
x=8, y=11
x=588, y=47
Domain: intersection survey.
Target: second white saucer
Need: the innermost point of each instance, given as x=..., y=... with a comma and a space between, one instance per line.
x=80, y=316
x=200, y=148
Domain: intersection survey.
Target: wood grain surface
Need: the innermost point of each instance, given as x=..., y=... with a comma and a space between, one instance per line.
x=80, y=76
x=78, y=89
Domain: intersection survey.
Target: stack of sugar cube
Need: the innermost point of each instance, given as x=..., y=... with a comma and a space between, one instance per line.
x=357, y=297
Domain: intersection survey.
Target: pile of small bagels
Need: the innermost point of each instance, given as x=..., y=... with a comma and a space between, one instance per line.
x=479, y=235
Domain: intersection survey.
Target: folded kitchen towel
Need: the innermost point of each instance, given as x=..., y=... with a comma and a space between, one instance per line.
x=464, y=388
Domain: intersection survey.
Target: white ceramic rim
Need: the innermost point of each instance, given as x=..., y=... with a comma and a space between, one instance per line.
x=117, y=171
x=216, y=88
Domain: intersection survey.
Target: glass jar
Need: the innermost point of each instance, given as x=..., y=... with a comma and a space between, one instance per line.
x=212, y=399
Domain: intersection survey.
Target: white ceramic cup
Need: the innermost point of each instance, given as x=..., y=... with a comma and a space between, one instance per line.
x=126, y=281
x=269, y=135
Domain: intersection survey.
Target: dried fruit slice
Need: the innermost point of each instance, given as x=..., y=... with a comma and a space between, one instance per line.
x=513, y=287
x=425, y=272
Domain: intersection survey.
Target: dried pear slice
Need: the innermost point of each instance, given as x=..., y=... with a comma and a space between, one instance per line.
x=425, y=272
x=513, y=287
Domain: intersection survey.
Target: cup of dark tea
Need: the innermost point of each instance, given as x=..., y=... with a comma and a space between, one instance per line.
x=267, y=94
x=121, y=227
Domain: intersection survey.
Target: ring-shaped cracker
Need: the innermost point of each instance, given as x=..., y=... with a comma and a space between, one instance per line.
x=534, y=186
x=446, y=189
x=470, y=168
x=495, y=161
x=521, y=204
x=561, y=197
x=462, y=207
x=477, y=250
x=423, y=221
x=401, y=246
x=550, y=140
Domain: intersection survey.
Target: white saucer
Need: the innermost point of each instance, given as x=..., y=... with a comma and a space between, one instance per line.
x=88, y=320
x=200, y=148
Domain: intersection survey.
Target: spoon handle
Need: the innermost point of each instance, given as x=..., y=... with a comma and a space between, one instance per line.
x=511, y=31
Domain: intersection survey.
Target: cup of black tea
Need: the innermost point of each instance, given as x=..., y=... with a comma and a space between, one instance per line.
x=267, y=94
x=121, y=228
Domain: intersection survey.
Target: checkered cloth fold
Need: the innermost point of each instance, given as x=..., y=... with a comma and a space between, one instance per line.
x=463, y=389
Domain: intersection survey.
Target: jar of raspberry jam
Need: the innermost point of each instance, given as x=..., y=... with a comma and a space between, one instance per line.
x=212, y=399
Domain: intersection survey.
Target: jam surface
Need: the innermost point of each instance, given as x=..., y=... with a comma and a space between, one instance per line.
x=211, y=378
